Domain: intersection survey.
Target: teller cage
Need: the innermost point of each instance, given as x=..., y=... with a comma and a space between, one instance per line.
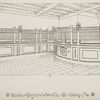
x=67, y=42
x=61, y=50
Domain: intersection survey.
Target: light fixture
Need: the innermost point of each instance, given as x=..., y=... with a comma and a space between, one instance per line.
x=78, y=26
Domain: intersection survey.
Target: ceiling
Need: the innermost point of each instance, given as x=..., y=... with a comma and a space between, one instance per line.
x=52, y=10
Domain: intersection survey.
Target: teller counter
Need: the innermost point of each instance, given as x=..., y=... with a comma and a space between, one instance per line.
x=15, y=49
x=85, y=53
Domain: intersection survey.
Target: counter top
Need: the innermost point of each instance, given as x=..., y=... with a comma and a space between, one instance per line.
x=65, y=44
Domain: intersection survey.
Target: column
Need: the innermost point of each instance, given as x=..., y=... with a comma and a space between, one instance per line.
x=40, y=35
x=20, y=47
x=71, y=41
x=35, y=45
x=14, y=35
x=20, y=33
x=71, y=35
x=14, y=40
x=36, y=35
x=47, y=37
x=59, y=21
x=78, y=38
x=98, y=22
x=78, y=26
x=40, y=44
x=78, y=52
x=99, y=31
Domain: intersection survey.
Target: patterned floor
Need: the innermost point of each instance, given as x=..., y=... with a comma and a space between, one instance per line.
x=44, y=64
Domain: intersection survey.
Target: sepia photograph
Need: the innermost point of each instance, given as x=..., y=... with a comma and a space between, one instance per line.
x=41, y=42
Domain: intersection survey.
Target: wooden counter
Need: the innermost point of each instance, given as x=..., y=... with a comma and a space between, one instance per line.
x=82, y=52
x=14, y=49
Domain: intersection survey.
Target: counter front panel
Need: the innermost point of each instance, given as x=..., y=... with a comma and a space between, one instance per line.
x=79, y=52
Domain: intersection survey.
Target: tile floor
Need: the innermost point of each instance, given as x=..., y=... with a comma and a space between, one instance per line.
x=44, y=64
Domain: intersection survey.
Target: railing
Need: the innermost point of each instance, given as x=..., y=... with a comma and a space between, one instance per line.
x=25, y=35
x=39, y=35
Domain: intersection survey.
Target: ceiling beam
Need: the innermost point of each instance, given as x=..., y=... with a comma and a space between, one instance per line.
x=59, y=13
x=66, y=8
x=30, y=15
x=46, y=9
x=93, y=12
x=48, y=15
x=16, y=8
x=19, y=6
x=53, y=14
x=61, y=10
x=72, y=7
x=34, y=4
x=88, y=15
x=83, y=5
x=85, y=10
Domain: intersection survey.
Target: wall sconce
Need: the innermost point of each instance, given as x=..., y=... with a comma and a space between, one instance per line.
x=78, y=26
x=20, y=28
x=53, y=29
